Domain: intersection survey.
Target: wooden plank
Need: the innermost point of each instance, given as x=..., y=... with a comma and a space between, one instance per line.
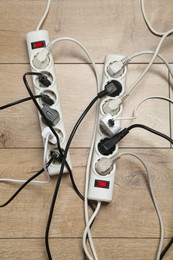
x=114, y=26
x=128, y=227
x=121, y=249
x=20, y=123
x=132, y=212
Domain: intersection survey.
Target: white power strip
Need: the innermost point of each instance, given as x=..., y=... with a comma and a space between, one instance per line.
x=36, y=41
x=101, y=183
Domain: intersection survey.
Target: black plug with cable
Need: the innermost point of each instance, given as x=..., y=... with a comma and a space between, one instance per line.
x=44, y=80
x=107, y=145
x=47, y=99
x=112, y=88
x=52, y=116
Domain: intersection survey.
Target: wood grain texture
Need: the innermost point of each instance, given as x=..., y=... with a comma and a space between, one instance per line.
x=70, y=249
x=128, y=227
x=114, y=26
x=135, y=219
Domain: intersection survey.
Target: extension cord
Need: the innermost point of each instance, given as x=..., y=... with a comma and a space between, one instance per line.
x=102, y=173
x=36, y=41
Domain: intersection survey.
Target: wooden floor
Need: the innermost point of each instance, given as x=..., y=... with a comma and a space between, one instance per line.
x=128, y=227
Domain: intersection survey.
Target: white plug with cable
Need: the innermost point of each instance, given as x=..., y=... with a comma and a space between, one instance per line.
x=110, y=124
x=47, y=132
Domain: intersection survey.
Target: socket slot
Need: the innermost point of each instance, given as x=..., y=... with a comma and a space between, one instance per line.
x=49, y=76
x=59, y=158
x=109, y=125
x=51, y=94
x=110, y=106
x=60, y=134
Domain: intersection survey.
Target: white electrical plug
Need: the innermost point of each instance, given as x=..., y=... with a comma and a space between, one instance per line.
x=104, y=166
x=110, y=124
x=112, y=106
x=46, y=131
x=41, y=60
x=116, y=69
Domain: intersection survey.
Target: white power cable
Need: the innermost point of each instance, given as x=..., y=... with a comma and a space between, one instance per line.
x=44, y=15
x=45, y=169
x=163, y=35
x=87, y=230
x=147, y=98
x=138, y=105
x=150, y=63
x=153, y=199
x=87, y=183
x=148, y=23
x=45, y=156
x=158, y=55
x=42, y=56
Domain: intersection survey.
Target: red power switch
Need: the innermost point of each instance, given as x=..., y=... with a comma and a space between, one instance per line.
x=101, y=184
x=39, y=44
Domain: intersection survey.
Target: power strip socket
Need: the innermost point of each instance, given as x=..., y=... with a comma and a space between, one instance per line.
x=101, y=183
x=36, y=41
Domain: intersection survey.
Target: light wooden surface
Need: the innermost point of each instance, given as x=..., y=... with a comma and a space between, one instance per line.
x=128, y=227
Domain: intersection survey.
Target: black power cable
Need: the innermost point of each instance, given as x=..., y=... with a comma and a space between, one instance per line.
x=152, y=131
x=42, y=96
x=26, y=183
x=166, y=248
x=18, y=102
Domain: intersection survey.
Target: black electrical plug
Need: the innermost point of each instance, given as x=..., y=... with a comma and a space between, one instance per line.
x=55, y=153
x=107, y=145
x=51, y=115
x=113, y=88
x=47, y=99
x=44, y=80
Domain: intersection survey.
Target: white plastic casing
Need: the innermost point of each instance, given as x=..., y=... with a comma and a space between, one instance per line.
x=104, y=122
x=41, y=37
x=101, y=187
